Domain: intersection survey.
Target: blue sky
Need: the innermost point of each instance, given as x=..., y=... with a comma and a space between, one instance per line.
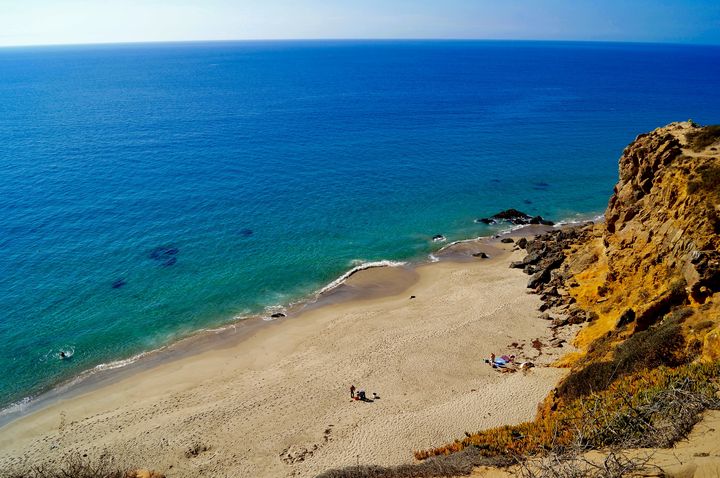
x=33, y=22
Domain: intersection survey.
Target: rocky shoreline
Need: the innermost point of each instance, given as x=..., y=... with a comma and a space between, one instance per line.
x=546, y=254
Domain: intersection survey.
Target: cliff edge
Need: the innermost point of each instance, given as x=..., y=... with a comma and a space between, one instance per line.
x=657, y=252
x=645, y=286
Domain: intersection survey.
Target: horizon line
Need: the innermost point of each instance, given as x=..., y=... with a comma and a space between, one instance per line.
x=359, y=39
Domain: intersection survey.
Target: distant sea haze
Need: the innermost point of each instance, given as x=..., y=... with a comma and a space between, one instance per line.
x=149, y=191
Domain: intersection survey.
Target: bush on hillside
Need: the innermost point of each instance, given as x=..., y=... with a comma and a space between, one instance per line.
x=660, y=345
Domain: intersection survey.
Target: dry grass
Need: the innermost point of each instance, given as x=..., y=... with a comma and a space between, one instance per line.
x=73, y=466
x=703, y=138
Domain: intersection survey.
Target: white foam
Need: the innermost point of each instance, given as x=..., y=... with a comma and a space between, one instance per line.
x=433, y=258
x=16, y=407
x=580, y=220
x=122, y=363
x=368, y=265
x=224, y=327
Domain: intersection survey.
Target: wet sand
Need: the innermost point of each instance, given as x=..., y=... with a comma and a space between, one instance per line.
x=274, y=400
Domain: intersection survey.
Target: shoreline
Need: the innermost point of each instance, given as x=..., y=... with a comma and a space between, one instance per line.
x=282, y=383
x=247, y=386
x=242, y=327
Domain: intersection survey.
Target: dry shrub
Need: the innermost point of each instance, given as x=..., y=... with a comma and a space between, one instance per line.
x=574, y=464
x=646, y=409
x=457, y=464
x=72, y=466
x=707, y=136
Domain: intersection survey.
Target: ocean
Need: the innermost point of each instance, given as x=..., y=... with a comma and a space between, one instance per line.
x=149, y=191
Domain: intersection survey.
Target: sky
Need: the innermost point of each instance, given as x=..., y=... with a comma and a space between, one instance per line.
x=43, y=22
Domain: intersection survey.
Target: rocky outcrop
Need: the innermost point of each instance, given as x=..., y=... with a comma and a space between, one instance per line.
x=656, y=257
x=513, y=216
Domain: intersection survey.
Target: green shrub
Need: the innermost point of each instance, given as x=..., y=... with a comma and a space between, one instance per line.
x=662, y=344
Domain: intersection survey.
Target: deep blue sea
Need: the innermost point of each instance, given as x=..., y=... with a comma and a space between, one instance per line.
x=148, y=191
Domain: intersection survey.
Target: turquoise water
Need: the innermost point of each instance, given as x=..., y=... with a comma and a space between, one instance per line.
x=267, y=169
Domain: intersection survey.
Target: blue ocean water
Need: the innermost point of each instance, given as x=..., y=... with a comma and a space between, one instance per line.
x=260, y=171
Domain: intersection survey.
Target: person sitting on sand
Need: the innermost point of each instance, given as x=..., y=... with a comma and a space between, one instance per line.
x=503, y=361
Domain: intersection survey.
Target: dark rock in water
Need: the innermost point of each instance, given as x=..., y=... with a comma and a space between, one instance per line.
x=494, y=180
x=162, y=253
x=246, y=232
x=522, y=243
x=540, y=185
x=117, y=283
x=277, y=315
x=512, y=216
x=527, y=201
x=438, y=238
x=171, y=261
x=507, y=240
x=481, y=255
x=540, y=220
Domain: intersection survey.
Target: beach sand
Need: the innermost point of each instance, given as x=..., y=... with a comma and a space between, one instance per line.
x=277, y=403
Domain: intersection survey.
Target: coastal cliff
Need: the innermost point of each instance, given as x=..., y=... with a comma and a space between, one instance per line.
x=645, y=284
x=656, y=256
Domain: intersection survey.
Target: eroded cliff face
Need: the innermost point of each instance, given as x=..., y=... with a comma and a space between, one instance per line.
x=656, y=257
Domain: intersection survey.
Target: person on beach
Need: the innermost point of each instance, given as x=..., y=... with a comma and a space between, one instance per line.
x=352, y=391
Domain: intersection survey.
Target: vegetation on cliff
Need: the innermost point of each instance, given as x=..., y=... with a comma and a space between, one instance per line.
x=647, y=282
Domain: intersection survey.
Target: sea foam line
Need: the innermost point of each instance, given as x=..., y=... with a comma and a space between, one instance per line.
x=367, y=265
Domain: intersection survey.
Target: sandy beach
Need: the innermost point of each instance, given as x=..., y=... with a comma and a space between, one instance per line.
x=277, y=403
